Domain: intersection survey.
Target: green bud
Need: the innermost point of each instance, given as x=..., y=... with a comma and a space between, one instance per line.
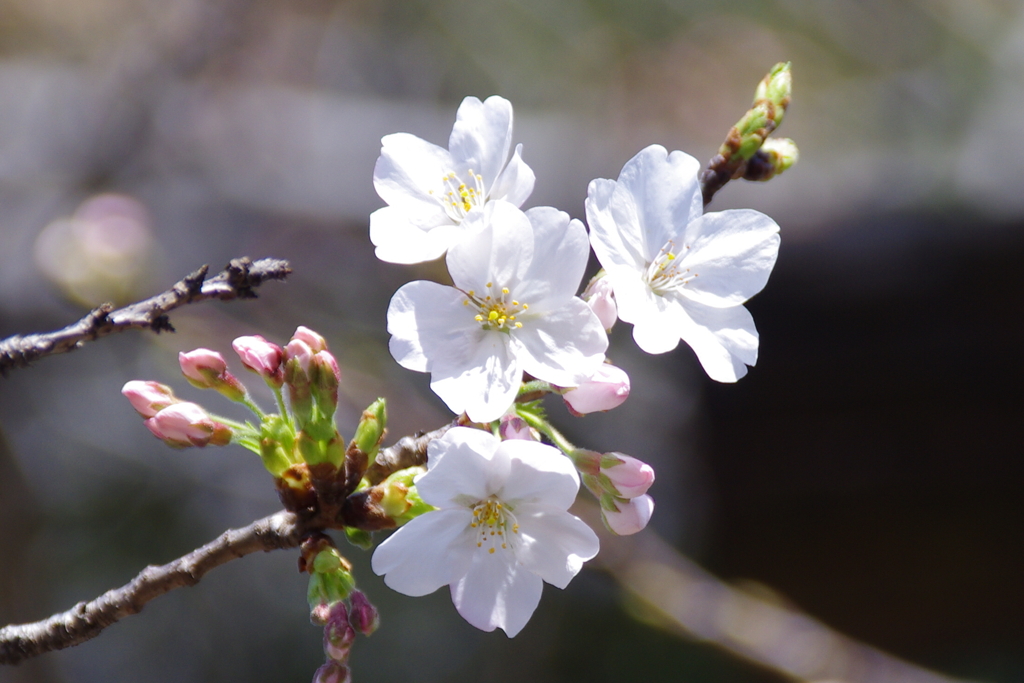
x=372, y=427
x=775, y=156
x=330, y=578
x=277, y=444
x=401, y=501
x=359, y=538
x=776, y=89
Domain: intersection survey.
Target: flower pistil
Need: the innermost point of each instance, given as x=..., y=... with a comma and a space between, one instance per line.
x=664, y=274
x=496, y=312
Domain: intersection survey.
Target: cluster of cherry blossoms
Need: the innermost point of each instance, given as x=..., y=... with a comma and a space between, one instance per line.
x=512, y=314
x=487, y=511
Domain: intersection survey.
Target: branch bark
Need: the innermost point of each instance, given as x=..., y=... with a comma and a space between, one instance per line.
x=238, y=280
x=87, y=620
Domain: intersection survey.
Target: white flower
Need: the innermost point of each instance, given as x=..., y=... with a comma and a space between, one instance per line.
x=501, y=529
x=430, y=190
x=678, y=274
x=513, y=309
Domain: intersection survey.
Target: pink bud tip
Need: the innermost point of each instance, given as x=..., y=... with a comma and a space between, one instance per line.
x=630, y=477
x=601, y=300
x=515, y=427
x=312, y=339
x=607, y=388
x=201, y=366
x=301, y=352
x=187, y=424
x=631, y=515
x=148, y=398
x=260, y=356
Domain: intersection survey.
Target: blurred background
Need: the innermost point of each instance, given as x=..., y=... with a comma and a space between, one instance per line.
x=868, y=471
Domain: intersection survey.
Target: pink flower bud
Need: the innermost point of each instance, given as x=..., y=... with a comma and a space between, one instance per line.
x=601, y=299
x=515, y=427
x=207, y=369
x=301, y=353
x=261, y=357
x=338, y=633
x=363, y=615
x=202, y=366
x=631, y=515
x=629, y=477
x=148, y=398
x=332, y=672
x=187, y=424
x=607, y=388
x=312, y=339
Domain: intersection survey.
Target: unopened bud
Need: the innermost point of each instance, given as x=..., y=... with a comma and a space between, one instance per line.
x=372, y=427
x=186, y=424
x=148, y=398
x=207, y=369
x=401, y=501
x=363, y=615
x=776, y=89
x=312, y=339
x=332, y=672
x=261, y=357
x=607, y=388
x=775, y=156
x=600, y=296
x=324, y=378
x=338, y=633
x=627, y=517
x=515, y=427
x=626, y=476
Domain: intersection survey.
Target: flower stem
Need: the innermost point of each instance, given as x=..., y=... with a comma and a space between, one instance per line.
x=546, y=428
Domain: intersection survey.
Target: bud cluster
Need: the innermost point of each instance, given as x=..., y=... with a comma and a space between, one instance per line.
x=300, y=444
x=335, y=604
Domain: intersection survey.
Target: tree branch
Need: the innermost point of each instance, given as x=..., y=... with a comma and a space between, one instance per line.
x=87, y=619
x=238, y=280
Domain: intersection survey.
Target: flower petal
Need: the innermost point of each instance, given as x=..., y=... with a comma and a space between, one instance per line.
x=482, y=137
x=538, y=475
x=408, y=170
x=666, y=192
x=554, y=544
x=402, y=235
x=724, y=339
x=497, y=592
x=614, y=221
x=515, y=183
x=730, y=255
x=657, y=320
x=564, y=346
x=463, y=468
x=483, y=382
x=560, y=253
x=497, y=249
x=429, y=327
x=430, y=551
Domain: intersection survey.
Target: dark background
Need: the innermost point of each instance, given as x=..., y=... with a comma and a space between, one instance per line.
x=868, y=470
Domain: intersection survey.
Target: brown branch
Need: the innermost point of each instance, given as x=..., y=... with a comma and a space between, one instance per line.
x=238, y=280
x=87, y=619
x=409, y=451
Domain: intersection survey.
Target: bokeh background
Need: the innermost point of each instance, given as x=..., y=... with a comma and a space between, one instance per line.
x=868, y=471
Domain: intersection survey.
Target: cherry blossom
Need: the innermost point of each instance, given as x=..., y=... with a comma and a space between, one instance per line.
x=431, y=191
x=512, y=310
x=501, y=529
x=678, y=274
